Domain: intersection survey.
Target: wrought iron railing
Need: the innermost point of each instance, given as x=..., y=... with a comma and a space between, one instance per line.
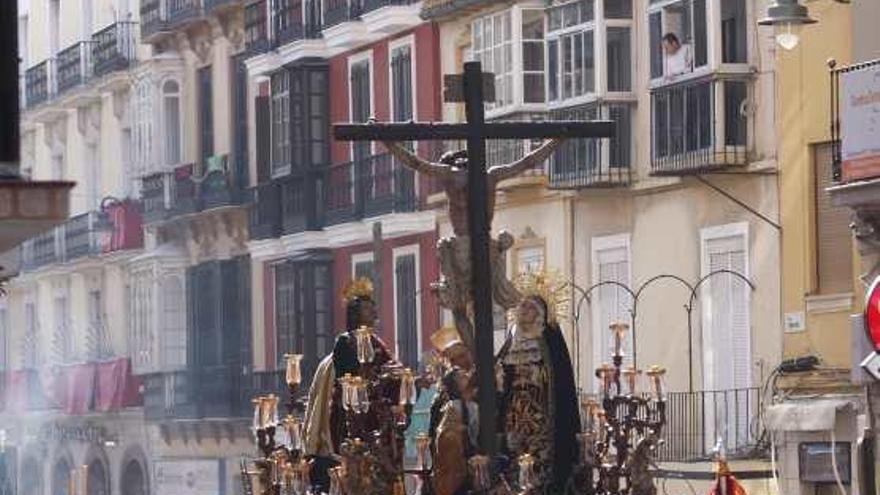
x=432, y=9
x=81, y=236
x=698, y=421
x=74, y=65
x=219, y=4
x=222, y=391
x=180, y=192
x=585, y=163
x=339, y=11
x=700, y=125
x=44, y=249
x=113, y=48
x=836, y=132
x=39, y=81
x=183, y=10
x=155, y=194
x=154, y=18
x=265, y=219
x=288, y=17
x=256, y=33
x=368, y=187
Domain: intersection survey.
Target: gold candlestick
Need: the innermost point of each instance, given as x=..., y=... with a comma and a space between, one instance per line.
x=294, y=371
x=630, y=379
x=618, y=331
x=657, y=376
x=407, y=388
x=423, y=441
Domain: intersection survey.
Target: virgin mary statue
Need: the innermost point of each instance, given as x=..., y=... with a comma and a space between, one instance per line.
x=538, y=411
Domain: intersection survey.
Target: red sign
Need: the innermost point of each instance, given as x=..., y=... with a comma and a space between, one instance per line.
x=872, y=314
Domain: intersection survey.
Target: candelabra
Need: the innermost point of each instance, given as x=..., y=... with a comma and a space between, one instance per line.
x=282, y=468
x=623, y=427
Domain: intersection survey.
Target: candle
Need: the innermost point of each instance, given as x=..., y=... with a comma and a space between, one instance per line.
x=601, y=425
x=363, y=397
x=589, y=407
x=480, y=467
x=258, y=413
x=84, y=478
x=271, y=411
x=526, y=463
x=618, y=331
x=606, y=376
x=657, y=376
x=294, y=373
x=630, y=380
x=364, y=341
x=347, y=396
x=407, y=388
x=71, y=483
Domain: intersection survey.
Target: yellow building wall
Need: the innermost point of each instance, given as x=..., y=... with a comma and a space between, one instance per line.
x=803, y=120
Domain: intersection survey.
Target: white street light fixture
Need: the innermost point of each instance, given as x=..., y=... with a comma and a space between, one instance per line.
x=785, y=14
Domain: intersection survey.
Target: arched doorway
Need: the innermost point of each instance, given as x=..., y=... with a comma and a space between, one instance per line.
x=61, y=477
x=99, y=483
x=134, y=481
x=31, y=482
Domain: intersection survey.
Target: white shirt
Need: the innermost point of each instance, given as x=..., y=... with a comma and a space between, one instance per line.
x=679, y=62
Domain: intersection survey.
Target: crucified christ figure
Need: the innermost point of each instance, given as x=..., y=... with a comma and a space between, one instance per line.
x=453, y=289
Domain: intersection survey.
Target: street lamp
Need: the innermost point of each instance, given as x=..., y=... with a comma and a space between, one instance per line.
x=784, y=14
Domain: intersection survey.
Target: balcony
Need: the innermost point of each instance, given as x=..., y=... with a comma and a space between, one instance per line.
x=74, y=65
x=699, y=126
x=39, y=83
x=369, y=187
x=698, y=420
x=119, y=228
x=154, y=19
x=205, y=392
x=113, y=48
x=338, y=11
x=593, y=163
x=181, y=12
x=180, y=192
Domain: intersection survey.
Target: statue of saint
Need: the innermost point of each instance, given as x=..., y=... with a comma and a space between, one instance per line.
x=453, y=289
x=538, y=411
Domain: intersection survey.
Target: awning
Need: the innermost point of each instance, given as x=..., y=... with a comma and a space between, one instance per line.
x=814, y=415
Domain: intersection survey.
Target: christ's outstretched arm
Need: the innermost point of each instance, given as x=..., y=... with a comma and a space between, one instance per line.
x=418, y=164
x=501, y=172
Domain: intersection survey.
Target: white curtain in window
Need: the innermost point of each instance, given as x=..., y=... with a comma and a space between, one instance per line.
x=611, y=303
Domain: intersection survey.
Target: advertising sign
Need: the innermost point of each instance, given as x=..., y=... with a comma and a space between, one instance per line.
x=860, y=123
x=187, y=477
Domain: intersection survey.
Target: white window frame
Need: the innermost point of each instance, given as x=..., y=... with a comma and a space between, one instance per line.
x=738, y=229
x=597, y=245
x=161, y=329
x=357, y=258
x=396, y=253
x=284, y=169
x=517, y=68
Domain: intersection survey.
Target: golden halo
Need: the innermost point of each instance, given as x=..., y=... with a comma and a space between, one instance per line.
x=359, y=288
x=549, y=286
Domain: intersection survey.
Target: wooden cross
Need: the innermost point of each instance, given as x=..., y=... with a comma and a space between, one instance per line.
x=474, y=84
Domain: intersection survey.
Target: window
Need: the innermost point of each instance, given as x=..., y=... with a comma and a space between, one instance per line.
x=492, y=44
x=571, y=65
x=678, y=37
x=402, y=82
x=173, y=323
x=62, y=339
x=97, y=343
x=173, y=130
x=361, y=99
x=618, y=9
x=304, y=310
x=31, y=336
x=733, y=32
x=206, y=113
x=619, y=59
x=833, y=237
x=142, y=126
x=612, y=304
x=533, y=55
x=362, y=266
x=140, y=302
x=591, y=161
x=726, y=323
x=280, y=123
x=406, y=306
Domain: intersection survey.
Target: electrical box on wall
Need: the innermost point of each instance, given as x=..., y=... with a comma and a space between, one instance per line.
x=815, y=462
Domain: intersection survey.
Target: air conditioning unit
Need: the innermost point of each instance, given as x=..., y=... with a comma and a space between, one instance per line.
x=815, y=462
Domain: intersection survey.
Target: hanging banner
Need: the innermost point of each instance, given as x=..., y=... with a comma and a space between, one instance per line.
x=860, y=123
